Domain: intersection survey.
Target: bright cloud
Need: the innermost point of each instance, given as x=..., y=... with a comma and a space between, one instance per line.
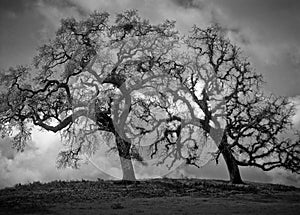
x=296, y=118
x=38, y=163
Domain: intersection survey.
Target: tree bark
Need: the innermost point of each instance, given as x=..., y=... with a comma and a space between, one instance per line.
x=232, y=167
x=125, y=158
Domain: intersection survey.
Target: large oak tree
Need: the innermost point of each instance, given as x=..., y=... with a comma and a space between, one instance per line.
x=80, y=84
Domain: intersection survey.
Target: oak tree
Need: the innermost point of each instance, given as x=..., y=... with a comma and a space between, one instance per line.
x=80, y=84
x=214, y=95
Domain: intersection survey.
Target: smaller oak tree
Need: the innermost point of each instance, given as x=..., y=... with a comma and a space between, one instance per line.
x=214, y=92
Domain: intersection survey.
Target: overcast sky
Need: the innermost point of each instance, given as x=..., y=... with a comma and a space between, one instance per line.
x=267, y=30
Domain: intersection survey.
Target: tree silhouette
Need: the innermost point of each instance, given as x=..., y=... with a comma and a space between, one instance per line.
x=79, y=84
x=128, y=82
x=217, y=95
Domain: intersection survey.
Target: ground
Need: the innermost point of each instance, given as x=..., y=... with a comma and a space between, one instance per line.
x=155, y=196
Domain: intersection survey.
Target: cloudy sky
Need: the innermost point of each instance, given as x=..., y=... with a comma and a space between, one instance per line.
x=267, y=30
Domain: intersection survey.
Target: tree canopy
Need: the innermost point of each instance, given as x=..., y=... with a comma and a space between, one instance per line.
x=130, y=82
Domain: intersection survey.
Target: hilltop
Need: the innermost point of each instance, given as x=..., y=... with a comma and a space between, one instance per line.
x=153, y=196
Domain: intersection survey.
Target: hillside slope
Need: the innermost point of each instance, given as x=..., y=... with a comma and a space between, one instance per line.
x=155, y=196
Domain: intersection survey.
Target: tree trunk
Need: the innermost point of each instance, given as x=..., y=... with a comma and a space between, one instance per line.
x=232, y=167
x=125, y=158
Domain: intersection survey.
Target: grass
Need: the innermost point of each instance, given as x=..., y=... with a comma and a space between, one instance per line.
x=37, y=197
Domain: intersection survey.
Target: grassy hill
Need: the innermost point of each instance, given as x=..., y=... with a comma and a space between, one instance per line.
x=153, y=196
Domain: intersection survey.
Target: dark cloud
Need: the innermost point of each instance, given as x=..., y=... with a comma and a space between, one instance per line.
x=19, y=34
x=66, y=4
x=269, y=32
x=281, y=75
x=24, y=25
x=15, y=6
x=20, y=6
x=190, y=4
